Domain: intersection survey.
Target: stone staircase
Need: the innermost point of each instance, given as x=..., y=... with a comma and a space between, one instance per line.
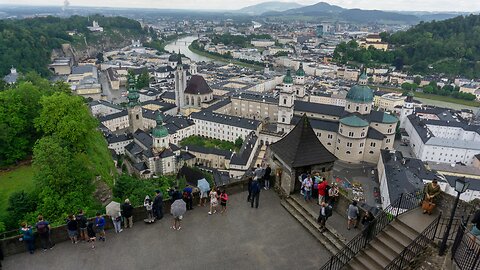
x=389, y=243
x=332, y=240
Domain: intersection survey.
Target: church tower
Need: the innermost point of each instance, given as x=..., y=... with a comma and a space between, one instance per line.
x=180, y=85
x=299, y=86
x=160, y=135
x=134, y=107
x=285, y=106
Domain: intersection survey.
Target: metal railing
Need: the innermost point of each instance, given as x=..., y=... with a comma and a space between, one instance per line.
x=405, y=203
x=466, y=249
x=416, y=247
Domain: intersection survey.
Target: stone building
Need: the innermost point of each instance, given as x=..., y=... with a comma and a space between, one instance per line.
x=300, y=151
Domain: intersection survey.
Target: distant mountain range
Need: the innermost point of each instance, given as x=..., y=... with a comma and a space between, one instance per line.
x=325, y=11
x=275, y=6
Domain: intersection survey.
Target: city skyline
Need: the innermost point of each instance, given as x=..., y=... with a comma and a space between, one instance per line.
x=403, y=5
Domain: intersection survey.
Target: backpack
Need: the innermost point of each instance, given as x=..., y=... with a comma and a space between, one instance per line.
x=42, y=227
x=224, y=197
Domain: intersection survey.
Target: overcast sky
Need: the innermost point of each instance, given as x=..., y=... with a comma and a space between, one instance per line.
x=421, y=5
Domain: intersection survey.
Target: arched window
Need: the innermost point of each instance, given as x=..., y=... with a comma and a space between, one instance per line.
x=137, y=117
x=348, y=152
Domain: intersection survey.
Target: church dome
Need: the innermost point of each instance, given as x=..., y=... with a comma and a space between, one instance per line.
x=159, y=131
x=288, y=78
x=173, y=57
x=300, y=71
x=360, y=94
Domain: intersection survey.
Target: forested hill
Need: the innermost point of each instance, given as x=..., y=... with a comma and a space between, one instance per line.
x=450, y=46
x=27, y=44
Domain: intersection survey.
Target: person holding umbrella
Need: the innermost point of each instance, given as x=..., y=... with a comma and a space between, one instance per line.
x=178, y=209
x=204, y=188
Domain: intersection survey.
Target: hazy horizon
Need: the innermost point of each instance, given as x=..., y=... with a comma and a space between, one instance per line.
x=399, y=5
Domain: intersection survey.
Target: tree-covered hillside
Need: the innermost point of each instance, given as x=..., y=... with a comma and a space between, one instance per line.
x=451, y=47
x=27, y=44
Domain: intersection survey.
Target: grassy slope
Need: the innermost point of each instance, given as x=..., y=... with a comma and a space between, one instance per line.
x=222, y=59
x=100, y=160
x=18, y=179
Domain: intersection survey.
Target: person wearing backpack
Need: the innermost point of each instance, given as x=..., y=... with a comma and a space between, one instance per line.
x=325, y=213
x=27, y=237
x=223, y=201
x=82, y=225
x=43, y=230
x=188, y=197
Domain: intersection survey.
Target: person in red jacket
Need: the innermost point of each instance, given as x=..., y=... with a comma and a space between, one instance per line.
x=322, y=191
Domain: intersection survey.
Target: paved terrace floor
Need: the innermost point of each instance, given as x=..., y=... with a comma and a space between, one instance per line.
x=244, y=238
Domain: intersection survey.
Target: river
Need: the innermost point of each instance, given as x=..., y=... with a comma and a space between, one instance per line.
x=182, y=45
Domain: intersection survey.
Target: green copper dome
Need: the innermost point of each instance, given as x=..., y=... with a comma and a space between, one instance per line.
x=360, y=94
x=300, y=71
x=354, y=121
x=159, y=131
x=288, y=78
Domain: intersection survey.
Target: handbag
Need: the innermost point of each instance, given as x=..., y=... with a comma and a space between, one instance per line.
x=428, y=206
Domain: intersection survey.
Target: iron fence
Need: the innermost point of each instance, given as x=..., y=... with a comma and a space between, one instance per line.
x=466, y=249
x=405, y=203
x=416, y=247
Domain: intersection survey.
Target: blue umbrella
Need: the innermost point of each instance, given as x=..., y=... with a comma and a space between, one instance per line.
x=203, y=185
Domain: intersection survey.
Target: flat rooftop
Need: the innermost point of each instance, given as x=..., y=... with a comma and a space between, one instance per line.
x=244, y=238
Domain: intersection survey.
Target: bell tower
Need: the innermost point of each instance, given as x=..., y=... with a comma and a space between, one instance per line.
x=285, y=106
x=134, y=107
x=180, y=84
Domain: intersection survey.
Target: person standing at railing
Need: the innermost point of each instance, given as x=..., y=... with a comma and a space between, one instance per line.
x=27, y=237
x=353, y=214
x=476, y=224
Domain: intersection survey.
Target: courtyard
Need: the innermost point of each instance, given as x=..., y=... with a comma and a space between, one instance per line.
x=244, y=238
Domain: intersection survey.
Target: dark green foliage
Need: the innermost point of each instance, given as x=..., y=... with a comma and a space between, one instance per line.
x=209, y=143
x=27, y=44
x=371, y=57
x=19, y=204
x=135, y=189
x=238, y=142
x=143, y=80
x=447, y=90
x=449, y=47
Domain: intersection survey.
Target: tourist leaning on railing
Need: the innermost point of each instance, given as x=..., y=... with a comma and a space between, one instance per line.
x=476, y=224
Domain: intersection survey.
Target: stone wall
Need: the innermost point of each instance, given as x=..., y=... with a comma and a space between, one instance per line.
x=13, y=245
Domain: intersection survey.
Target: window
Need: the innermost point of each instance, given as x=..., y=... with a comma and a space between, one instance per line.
x=371, y=152
x=350, y=134
x=361, y=144
x=341, y=131
x=330, y=136
x=348, y=106
x=338, y=148
x=349, y=144
x=360, y=152
x=338, y=140
x=372, y=144
x=284, y=101
x=329, y=143
x=138, y=117
x=357, y=108
x=348, y=152
x=388, y=140
x=363, y=134
x=389, y=130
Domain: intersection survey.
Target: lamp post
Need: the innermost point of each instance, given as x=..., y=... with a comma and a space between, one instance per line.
x=460, y=187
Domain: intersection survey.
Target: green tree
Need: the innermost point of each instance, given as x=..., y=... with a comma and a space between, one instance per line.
x=143, y=80
x=19, y=205
x=18, y=108
x=66, y=117
x=417, y=80
x=239, y=142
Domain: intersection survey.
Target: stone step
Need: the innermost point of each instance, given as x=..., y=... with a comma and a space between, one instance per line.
x=308, y=226
x=398, y=236
x=355, y=264
x=313, y=221
x=369, y=262
x=314, y=215
x=406, y=229
x=377, y=256
x=388, y=241
x=384, y=249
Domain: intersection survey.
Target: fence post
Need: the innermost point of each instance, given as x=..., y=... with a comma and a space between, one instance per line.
x=436, y=226
x=399, y=203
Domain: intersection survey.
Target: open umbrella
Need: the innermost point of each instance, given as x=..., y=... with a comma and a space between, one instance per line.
x=203, y=185
x=178, y=208
x=113, y=208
